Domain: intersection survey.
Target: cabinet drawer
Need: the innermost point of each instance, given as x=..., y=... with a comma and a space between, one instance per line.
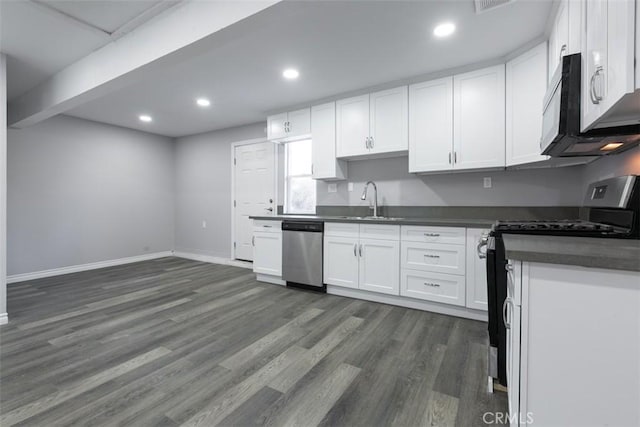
x=341, y=229
x=380, y=231
x=267, y=225
x=454, y=236
x=444, y=288
x=441, y=258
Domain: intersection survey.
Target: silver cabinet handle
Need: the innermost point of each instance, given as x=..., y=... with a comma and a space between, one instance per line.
x=482, y=242
x=563, y=49
x=366, y=142
x=449, y=157
x=508, y=267
x=432, y=256
x=506, y=302
x=432, y=234
x=595, y=98
x=253, y=240
x=433, y=285
x=371, y=142
x=355, y=248
x=360, y=250
x=268, y=226
x=455, y=157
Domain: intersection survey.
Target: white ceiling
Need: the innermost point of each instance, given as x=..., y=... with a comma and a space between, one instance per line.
x=338, y=46
x=41, y=37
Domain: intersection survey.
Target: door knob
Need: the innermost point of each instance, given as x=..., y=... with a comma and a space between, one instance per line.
x=270, y=209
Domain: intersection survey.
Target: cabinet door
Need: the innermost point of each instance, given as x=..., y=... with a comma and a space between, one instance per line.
x=299, y=123
x=341, y=261
x=526, y=86
x=323, y=130
x=476, y=271
x=431, y=125
x=267, y=253
x=608, y=68
x=276, y=126
x=559, y=39
x=352, y=126
x=380, y=266
x=479, y=119
x=594, y=60
x=389, y=120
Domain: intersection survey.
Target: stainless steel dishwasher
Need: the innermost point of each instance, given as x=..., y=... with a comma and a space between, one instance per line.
x=302, y=254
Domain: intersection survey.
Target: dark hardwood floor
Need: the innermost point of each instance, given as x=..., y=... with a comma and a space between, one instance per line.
x=176, y=342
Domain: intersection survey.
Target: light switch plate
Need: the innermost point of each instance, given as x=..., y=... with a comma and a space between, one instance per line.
x=332, y=188
x=351, y=186
x=487, y=182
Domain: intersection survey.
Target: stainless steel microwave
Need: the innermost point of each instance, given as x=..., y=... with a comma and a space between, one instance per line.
x=561, y=136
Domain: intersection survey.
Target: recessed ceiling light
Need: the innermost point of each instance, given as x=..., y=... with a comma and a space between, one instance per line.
x=203, y=102
x=290, y=73
x=445, y=29
x=145, y=118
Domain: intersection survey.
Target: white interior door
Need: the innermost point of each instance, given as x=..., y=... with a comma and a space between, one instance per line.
x=254, y=191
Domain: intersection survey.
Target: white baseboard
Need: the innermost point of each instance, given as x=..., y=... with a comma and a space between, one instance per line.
x=435, y=307
x=270, y=279
x=214, y=259
x=84, y=267
x=4, y=318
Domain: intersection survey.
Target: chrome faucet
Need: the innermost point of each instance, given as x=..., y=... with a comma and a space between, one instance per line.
x=375, y=196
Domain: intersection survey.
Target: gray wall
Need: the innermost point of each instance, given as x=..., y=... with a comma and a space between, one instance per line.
x=627, y=163
x=82, y=192
x=203, y=189
x=397, y=187
x=3, y=187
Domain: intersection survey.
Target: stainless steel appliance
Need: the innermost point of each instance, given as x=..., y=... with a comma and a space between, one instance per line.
x=561, y=136
x=614, y=213
x=302, y=254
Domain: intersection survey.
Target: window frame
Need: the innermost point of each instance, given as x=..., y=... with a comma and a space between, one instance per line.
x=287, y=180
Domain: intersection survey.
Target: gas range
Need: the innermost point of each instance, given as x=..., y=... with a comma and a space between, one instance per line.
x=613, y=212
x=567, y=227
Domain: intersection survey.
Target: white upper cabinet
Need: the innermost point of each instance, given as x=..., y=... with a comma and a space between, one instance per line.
x=289, y=126
x=608, y=60
x=566, y=33
x=388, y=121
x=431, y=125
x=352, y=126
x=276, y=125
x=323, y=130
x=372, y=124
x=479, y=119
x=526, y=86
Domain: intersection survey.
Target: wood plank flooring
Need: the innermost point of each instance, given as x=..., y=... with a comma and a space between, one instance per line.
x=176, y=342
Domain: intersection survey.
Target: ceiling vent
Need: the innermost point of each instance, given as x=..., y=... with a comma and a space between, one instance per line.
x=485, y=5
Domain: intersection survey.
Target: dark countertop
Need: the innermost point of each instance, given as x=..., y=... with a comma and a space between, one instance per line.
x=436, y=222
x=612, y=254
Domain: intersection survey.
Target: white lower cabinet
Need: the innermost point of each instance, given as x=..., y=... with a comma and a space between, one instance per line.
x=341, y=261
x=352, y=260
x=380, y=266
x=427, y=285
x=476, y=270
x=571, y=331
x=267, y=252
x=431, y=264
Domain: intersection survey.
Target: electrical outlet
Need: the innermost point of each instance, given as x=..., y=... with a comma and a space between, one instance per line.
x=332, y=188
x=351, y=186
x=204, y=224
x=487, y=182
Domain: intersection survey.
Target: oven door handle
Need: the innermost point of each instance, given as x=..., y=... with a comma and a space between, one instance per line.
x=482, y=242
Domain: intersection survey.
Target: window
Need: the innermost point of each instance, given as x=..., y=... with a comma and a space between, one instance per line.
x=300, y=188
